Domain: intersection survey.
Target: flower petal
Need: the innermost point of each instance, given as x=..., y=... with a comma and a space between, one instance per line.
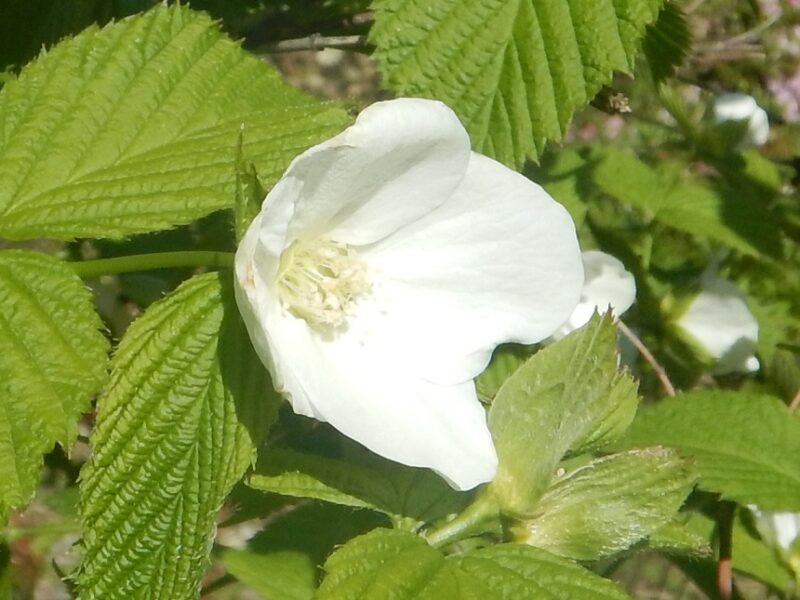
x=397, y=162
x=606, y=284
x=720, y=322
x=360, y=390
x=499, y=261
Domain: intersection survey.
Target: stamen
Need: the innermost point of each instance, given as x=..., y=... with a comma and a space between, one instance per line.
x=319, y=280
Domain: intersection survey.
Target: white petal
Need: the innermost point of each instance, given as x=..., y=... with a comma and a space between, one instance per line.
x=741, y=107
x=360, y=390
x=397, y=162
x=607, y=284
x=499, y=261
x=787, y=528
x=719, y=320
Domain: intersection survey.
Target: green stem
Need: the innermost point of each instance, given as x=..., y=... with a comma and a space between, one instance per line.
x=90, y=269
x=479, y=517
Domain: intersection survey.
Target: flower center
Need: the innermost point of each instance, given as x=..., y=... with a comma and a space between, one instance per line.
x=319, y=280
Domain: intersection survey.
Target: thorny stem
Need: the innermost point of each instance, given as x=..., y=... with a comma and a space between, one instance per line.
x=90, y=269
x=648, y=356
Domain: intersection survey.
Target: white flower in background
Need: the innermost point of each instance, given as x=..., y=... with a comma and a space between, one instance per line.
x=384, y=268
x=718, y=322
x=606, y=284
x=741, y=107
x=783, y=528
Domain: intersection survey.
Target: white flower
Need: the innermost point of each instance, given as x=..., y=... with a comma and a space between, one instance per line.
x=607, y=284
x=384, y=268
x=719, y=323
x=741, y=107
x=782, y=527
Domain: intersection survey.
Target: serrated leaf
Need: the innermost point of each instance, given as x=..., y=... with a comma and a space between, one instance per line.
x=667, y=41
x=134, y=128
x=609, y=504
x=52, y=361
x=745, y=445
x=514, y=72
x=283, y=561
x=408, y=495
x=187, y=402
x=688, y=206
x=568, y=397
x=400, y=565
x=678, y=539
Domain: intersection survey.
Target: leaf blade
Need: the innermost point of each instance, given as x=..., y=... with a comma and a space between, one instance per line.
x=176, y=429
x=567, y=397
x=53, y=358
x=748, y=448
x=134, y=128
x=514, y=72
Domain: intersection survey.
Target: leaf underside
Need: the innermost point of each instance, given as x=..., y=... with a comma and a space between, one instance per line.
x=514, y=71
x=568, y=397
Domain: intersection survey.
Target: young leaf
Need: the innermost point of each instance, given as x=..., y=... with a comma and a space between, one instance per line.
x=134, y=128
x=609, y=504
x=400, y=565
x=52, y=361
x=187, y=402
x=513, y=71
x=568, y=397
x=745, y=446
x=688, y=206
x=415, y=496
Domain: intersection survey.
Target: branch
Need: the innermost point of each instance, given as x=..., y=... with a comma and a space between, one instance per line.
x=648, y=356
x=315, y=41
x=795, y=402
x=725, y=564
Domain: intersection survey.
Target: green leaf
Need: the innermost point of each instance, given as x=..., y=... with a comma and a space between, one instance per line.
x=134, y=128
x=282, y=561
x=400, y=565
x=187, y=403
x=505, y=360
x=745, y=445
x=52, y=361
x=688, y=206
x=609, y=504
x=677, y=538
x=408, y=495
x=568, y=397
x=750, y=554
x=282, y=574
x=514, y=72
x=566, y=175
x=667, y=41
